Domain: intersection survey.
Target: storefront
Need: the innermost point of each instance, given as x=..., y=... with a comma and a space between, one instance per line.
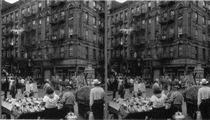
x=181, y=67
x=67, y=68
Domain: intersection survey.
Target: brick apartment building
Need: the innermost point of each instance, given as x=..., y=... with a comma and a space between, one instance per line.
x=167, y=38
x=59, y=37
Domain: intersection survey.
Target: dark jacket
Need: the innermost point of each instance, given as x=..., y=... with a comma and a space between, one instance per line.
x=5, y=85
x=13, y=90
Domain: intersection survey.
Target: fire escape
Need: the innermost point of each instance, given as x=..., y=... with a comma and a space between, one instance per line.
x=166, y=39
x=57, y=38
x=27, y=41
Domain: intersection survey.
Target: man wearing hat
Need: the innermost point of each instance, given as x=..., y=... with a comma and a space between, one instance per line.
x=204, y=99
x=68, y=100
x=176, y=99
x=97, y=100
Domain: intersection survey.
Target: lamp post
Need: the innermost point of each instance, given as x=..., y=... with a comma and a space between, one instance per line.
x=0, y=53
x=105, y=52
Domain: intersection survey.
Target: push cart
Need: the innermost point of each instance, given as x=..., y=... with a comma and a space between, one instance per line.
x=83, y=108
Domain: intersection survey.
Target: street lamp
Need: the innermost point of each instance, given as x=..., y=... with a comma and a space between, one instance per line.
x=0, y=52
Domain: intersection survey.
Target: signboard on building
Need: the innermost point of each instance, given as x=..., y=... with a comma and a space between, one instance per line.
x=90, y=71
x=199, y=71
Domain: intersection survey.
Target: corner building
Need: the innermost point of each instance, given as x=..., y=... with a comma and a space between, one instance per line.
x=60, y=37
x=167, y=38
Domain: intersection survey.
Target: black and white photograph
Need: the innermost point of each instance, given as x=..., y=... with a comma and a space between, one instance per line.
x=105, y=59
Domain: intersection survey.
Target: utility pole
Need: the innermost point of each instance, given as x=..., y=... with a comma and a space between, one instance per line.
x=105, y=52
x=0, y=53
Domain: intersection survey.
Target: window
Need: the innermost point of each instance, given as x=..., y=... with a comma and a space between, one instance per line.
x=171, y=51
x=47, y=20
x=94, y=37
x=12, y=16
x=196, y=17
x=204, y=4
x=165, y=16
x=71, y=51
x=40, y=22
x=121, y=16
x=149, y=5
x=180, y=31
x=86, y=33
x=126, y=15
x=70, y=32
x=132, y=11
x=55, y=17
x=86, y=17
x=62, y=32
x=40, y=6
x=94, y=4
x=149, y=36
x=34, y=23
x=204, y=20
x=204, y=54
x=94, y=54
x=16, y=15
x=22, y=11
x=196, y=34
x=172, y=14
x=54, y=34
x=62, y=52
x=48, y=2
x=157, y=20
x=149, y=21
x=204, y=36
x=28, y=9
x=138, y=8
x=47, y=35
x=143, y=22
x=171, y=32
x=87, y=53
x=33, y=8
x=94, y=21
x=180, y=13
x=71, y=16
x=180, y=50
x=62, y=14
x=196, y=52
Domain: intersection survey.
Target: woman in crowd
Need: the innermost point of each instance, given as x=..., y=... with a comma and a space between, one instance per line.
x=50, y=101
x=121, y=89
x=158, y=103
x=13, y=90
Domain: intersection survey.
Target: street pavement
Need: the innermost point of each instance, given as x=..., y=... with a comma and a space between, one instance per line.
x=41, y=93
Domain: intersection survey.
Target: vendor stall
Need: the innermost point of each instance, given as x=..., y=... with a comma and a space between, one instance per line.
x=27, y=108
x=82, y=97
x=133, y=108
x=191, y=95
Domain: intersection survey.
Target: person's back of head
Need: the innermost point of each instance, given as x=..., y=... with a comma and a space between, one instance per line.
x=157, y=90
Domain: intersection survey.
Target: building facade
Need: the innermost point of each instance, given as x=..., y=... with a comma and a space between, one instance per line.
x=60, y=37
x=163, y=38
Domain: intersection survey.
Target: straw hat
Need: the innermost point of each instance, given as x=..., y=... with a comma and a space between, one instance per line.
x=95, y=82
x=204, y=81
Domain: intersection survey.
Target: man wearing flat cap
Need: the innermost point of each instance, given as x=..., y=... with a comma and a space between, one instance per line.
x=176, y=99
x=97, y=100
x=204, y=99
x=68, y=100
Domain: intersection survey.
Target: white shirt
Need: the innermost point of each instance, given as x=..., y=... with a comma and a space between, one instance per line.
x=131, y=81
x=158, y=102
x=51, y=100
x=96, y=93
x=141, y=87
x=22, y=81
x=203, y=94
